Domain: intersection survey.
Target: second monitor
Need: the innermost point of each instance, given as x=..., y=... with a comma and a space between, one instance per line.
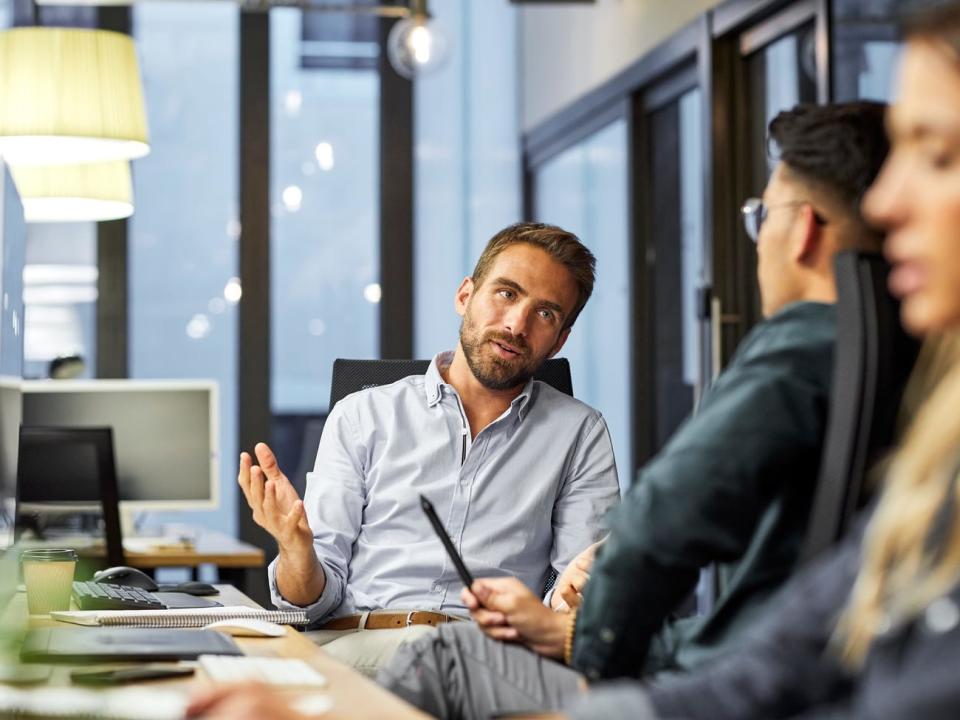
x=166, y=434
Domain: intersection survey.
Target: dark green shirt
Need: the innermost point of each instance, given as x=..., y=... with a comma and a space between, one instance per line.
x=733, y=486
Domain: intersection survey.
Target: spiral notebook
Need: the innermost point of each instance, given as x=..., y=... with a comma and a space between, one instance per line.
x=185, y=618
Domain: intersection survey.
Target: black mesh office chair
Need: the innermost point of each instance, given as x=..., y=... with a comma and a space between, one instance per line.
x=349, y=376
x=874, y=357
x=60, y=467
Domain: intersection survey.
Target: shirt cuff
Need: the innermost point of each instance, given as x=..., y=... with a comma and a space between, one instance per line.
x=328, y=601
x=549, y=596
x=621, y=700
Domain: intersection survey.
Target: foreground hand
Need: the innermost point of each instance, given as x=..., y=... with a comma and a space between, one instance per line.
x=241, y=702
x=275, y=504
x=505, y=609
x=568, y=589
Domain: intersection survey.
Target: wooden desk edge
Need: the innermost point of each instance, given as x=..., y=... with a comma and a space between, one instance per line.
x=355, y=696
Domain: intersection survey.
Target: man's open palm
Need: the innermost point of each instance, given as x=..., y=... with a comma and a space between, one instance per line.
x=275, y=504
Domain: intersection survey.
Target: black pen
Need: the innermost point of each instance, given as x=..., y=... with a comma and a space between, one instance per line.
x=441, y=531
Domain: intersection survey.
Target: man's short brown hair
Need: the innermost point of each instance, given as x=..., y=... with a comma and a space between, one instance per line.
x=563, y=246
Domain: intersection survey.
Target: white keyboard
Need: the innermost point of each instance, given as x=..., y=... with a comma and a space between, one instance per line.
x=273, y=671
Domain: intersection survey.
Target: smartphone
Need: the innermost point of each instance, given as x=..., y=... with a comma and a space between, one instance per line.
x=441, y=531
x=130, y=674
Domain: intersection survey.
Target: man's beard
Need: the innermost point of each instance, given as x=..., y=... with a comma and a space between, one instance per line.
x=493, y=372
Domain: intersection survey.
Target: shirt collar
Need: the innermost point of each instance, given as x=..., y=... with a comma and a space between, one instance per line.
x=521, y=403
x=432, y=380
x=433, y=383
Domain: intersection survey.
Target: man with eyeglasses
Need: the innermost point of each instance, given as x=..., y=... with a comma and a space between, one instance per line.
x=733, y=486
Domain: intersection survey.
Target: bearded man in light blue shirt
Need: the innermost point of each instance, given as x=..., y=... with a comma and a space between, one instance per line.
x=520, y=473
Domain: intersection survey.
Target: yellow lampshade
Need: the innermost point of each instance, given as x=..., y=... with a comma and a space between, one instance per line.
x=75, y=193
x=69, y=96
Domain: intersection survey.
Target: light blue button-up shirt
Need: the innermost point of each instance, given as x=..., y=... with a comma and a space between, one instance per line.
x=525, y=494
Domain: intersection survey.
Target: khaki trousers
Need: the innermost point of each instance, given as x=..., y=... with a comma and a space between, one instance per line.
x=366, y=650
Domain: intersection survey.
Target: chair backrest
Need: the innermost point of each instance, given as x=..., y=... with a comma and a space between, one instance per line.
x=60, y=466
x=872, y=361
x=310, y=441
x=349, y=376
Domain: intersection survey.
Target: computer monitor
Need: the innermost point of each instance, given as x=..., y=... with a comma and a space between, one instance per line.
x=165, y=434
x=13, y=242
x=68, y=473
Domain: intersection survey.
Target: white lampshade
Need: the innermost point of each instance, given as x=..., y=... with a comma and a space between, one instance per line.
x=69, y=96
x=75, y=193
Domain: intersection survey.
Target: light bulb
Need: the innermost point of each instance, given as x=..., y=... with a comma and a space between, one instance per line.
x=417, y=46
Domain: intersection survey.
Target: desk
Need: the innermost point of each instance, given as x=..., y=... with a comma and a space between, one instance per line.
x=240, y=563
x=354, y=695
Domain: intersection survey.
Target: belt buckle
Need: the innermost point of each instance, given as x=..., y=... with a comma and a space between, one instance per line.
x=410, y=617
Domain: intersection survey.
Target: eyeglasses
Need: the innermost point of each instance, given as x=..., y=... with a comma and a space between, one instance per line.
x=754, y=212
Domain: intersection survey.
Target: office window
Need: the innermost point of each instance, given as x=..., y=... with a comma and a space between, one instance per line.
x=467, y=159
x=866, y=49
x=325, y=217
x=584, y=190
x=184, y=233
x=779, y=62
x=6, y=13
x=781, y=75
x=60, y=297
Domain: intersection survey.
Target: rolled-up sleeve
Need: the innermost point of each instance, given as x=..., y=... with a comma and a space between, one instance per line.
x=589, y=490
x=334, y=502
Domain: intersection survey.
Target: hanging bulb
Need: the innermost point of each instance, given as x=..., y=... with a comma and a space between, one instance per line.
x=417, y=45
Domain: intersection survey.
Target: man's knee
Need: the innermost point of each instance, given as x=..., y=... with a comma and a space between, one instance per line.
x=429, y=653
x=462, y=637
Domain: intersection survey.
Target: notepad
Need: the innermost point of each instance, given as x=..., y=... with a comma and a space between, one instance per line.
x=184, y=618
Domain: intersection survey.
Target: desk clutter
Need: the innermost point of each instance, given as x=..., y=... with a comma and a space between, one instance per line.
x=150, y=673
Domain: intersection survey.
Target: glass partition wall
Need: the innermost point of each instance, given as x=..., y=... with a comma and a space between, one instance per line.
x=584, y=190
x=184, y=235
x=324, y=211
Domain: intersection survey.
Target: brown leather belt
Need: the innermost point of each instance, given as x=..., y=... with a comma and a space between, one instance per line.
x=389, y=620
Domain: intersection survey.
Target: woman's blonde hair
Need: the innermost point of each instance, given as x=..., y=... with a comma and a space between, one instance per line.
x=911, y=551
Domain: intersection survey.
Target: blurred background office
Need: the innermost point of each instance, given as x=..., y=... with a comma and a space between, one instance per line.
x=303, y=200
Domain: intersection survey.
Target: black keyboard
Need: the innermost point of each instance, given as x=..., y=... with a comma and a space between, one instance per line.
x=91, y=595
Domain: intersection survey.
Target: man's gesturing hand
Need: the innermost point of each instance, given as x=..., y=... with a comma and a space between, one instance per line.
x=275, y=504
x=505, y=609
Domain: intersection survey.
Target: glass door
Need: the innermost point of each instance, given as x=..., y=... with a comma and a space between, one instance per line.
x=761, y=68
x=670, y=341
